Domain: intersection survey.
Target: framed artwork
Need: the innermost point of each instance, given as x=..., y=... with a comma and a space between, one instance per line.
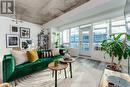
x=14, y=29
x=25, y=43
x=12, y=40
x=24, y=32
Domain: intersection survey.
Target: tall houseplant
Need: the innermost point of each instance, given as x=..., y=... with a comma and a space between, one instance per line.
x=116, y=48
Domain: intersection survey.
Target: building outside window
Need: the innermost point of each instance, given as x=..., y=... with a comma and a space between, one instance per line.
x=118, y=26
x=74, y=37
x=100, y=33
x=65, y=36
x=85, y=41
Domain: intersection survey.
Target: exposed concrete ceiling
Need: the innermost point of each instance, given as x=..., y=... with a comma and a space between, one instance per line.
x=42, y=11
x=92, y=11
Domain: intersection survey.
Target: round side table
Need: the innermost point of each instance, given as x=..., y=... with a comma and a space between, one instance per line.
x=68, y=61
x=57, y=68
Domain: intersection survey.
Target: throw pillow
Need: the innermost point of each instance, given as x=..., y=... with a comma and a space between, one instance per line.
x=56, y=51
x=47, y=54
x=19, y=56
x=44, y=55
x=32, y=55
x=52, y=52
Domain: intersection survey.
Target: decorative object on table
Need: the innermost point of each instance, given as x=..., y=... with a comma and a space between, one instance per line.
x=24, y=32
x=116, y=48
x=14, y=29
x=12, y=40
x=43, y=41
x=66, y=56
x=56, y=62
x=110, y=84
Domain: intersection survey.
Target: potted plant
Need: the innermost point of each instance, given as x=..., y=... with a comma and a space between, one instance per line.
x=56, y=62
x=116, y=48
x=56, y=44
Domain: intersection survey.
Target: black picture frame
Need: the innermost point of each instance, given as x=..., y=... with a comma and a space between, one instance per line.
x=14, y=29
x=24, y=32
x=12, y=40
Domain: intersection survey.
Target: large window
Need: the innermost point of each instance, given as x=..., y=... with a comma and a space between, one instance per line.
x=118, y=26
x=100, y=33
x=85, y=41
x=74, y=37
x=128, y=19
x=65, y=36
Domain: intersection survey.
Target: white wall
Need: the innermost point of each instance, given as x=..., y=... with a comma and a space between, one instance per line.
x=5, y=23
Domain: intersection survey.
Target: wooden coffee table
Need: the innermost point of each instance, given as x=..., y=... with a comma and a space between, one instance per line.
x=57, y=68
x=70, y=61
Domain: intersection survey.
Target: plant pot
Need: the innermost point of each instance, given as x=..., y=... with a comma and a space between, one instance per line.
x=55, y=63
x=113, y=66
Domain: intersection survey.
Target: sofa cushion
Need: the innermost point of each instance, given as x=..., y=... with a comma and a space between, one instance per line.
x=55, y=51
x=45, y=53
x=19, y=56
x=32, y=55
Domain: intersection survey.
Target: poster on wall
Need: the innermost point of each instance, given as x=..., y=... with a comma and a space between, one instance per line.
x=14, y=29
x=25, y=43
x=24, y=32
x=12, y=40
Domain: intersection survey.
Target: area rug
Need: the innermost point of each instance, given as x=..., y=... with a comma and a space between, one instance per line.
x=86, y=73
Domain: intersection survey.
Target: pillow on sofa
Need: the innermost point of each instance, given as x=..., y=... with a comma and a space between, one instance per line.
x=46, y=54
x=55, y=51
x=32, y=55
x=19, y=56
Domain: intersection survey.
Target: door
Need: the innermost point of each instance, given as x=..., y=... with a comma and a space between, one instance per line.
x=85, y=41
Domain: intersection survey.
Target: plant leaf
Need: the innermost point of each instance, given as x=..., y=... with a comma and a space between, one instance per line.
x=118, y=36
x=113, y=35
x=128, y=37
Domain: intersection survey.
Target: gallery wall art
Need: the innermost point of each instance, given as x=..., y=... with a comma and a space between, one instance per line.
x=24, y=32
x=12, y=40
x=14, y=29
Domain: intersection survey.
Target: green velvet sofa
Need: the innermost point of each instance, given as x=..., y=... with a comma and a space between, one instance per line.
x=12, y=72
